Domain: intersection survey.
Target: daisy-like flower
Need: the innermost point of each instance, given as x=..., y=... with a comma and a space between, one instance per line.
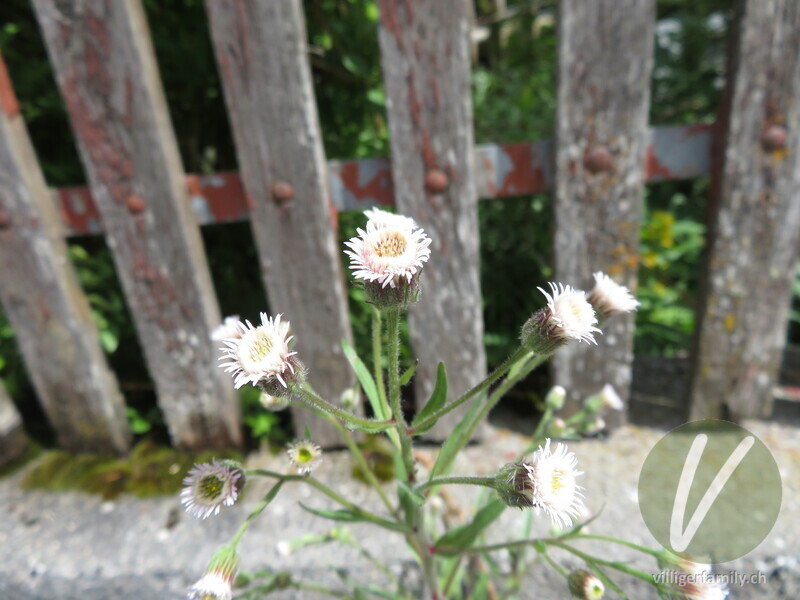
x=609, y=297
x=585, y=585
x=228, y=329
x=389, y=253
x=701, y=586
x=305, y=455
x=261, y=355
x=547, y=481
x=211, y=586
x=209, y=486
x=217, y=582
x=567, y=316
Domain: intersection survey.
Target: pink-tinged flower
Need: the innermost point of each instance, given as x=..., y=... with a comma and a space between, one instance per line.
x=567, y=316
x=217, y=583
x=260, y=355
x=391, y=249
x=609, y=297
x=548, y=481
x=210, y=486
x=701, y=586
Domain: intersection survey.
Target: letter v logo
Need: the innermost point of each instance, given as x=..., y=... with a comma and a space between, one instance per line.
x=681, y=538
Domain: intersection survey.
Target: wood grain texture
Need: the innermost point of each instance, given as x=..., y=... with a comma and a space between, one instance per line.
x=604, y=64
x=425, y=57
x=13, y=440
x=755, y=229
x=262, y=55
x=106, y=70
x=50, y=315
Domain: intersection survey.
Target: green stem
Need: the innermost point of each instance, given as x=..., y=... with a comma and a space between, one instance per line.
x=256, y=511
x=377, y=356
x=613, y=540
x=366, y=515
x=314, y=401
x=451, y=576
x=589, y=559
x=393, y=330
x=556, y=566
x=501, y=370
x=489, y=482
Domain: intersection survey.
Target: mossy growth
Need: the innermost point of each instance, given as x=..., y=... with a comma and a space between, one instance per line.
x=379, y=457
x=32, y=451
x=149, y=470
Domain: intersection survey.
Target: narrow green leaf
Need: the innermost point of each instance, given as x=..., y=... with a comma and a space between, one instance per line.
x=406, y=377
x=436, y=401
x=415, y=496
x=366, y=380
x=454, y=442
x=352, y=516
x=307, y=433
x=463, y=536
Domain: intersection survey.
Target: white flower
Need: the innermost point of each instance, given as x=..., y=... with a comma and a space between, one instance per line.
x=305, y=455
x=212, y=586
x=567, y=316
x=391, y=249
x=228, y=329
x=208, y=487
x=702, y=586
x=610, y=399
x=609, y=297
x=551, y=483
x=259, y=354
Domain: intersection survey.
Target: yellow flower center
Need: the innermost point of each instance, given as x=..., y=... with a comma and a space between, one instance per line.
x=391, y=244
x=211, y=486
x=304, y=455
x=254, y=347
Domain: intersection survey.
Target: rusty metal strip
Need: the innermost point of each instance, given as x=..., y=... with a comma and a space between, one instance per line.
x=679, y=152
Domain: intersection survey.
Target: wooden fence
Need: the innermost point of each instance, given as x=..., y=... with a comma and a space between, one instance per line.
x=603, y=153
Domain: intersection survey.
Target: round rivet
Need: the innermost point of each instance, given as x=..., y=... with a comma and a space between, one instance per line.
x=436, y=181
x=282, y=191
x=135, y=204
x=773, y=138
x=598, y=159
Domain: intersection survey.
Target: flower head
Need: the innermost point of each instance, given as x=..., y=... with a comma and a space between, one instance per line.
x=228, y=329
x=209, y=486
x=261, y=355
x=609, y=297
x=217, y=582
x=701, y=586
x=547, y=481
x=305, y=455
x=585, y=585
x=389, y=253
x=567, y=316
x=610, y=399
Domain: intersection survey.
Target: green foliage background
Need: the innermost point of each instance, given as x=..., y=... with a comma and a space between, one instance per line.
x=514, y=100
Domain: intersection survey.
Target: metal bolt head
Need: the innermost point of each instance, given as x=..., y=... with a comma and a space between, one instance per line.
x=5, y=220
x=282, y=191
x=773, y=138
x=598, y=159
x=436, y=181
x=135, y=204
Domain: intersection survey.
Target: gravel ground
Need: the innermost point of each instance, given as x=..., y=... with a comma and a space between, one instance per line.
x=75, y=546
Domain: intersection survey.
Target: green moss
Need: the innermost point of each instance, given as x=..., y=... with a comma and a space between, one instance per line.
x=149, y=470
x=379, y=458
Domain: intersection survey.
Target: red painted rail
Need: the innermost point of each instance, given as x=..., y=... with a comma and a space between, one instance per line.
x=681, y=152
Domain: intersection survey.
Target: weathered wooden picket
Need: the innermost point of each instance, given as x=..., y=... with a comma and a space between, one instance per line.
x=149, y=210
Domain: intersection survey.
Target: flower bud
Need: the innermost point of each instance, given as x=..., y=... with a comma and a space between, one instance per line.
x=217, y=583
x=555, y=398
x=585, y=585
x=272, y=403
